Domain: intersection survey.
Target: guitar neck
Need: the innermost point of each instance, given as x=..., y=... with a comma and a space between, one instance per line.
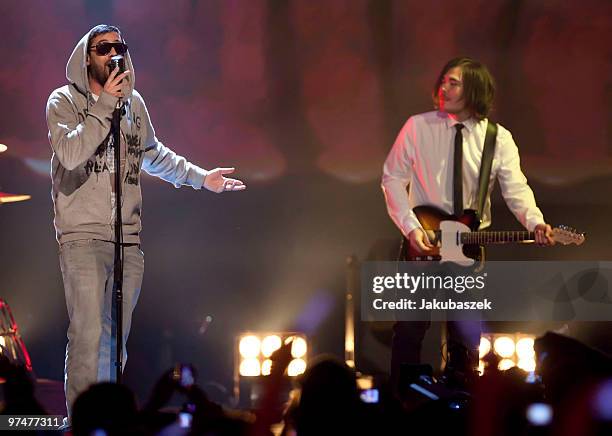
x=482, y=238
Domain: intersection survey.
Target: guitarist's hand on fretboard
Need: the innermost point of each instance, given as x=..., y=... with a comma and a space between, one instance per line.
x=544, y=235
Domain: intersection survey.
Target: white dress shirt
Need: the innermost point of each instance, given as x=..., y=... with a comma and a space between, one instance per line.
x=422, y=159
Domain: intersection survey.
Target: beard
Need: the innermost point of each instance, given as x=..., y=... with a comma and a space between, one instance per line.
x=99, y=73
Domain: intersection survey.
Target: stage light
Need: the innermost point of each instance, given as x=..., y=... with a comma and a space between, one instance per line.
x=296, y=367
x=3, y=148
x=349, y=345
x=505, y=364
x=250, y=367
x=260, y=346
x=270, y=344
x=504, y=346
x=484, y=347
x=298, y=347
x=365, y=382
x=249, y=346
x=266, y=367
x=516, y=348
x=527, y=364
x=524, y=348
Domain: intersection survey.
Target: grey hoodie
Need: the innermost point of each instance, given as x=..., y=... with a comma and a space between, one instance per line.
x=79, y=132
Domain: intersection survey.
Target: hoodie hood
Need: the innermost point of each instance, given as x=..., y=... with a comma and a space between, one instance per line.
x=76, y=69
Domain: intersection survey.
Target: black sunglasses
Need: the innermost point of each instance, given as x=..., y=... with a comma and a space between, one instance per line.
x=104, y=48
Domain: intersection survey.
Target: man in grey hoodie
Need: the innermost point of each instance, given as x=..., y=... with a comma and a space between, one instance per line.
x=82, y=170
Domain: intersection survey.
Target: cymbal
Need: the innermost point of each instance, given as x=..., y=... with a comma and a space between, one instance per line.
x=12, y=198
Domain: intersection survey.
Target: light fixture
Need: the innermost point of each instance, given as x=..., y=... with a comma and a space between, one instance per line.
x=296, y=367
x=266, y=367
x=253, y=363
x=505, y=364
x=524, y=348
x=249, y=347
x=250, y=367
x=527, y=364
x=254, y=351
x=298, y=347
x=484, y=347
x=270, y=344
x=513, y=349
x=504, y=347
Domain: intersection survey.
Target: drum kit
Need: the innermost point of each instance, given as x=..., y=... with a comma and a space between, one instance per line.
x=11, y=344
x=10, y=198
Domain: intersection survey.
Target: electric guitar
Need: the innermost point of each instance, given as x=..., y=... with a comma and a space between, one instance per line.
x=456, y=239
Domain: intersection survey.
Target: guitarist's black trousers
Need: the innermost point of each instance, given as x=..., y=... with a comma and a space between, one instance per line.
x=463, y=338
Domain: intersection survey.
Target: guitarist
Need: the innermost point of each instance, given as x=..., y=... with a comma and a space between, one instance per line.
x=437, y=156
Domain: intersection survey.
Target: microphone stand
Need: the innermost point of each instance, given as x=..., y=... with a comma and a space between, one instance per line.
x=118, y=267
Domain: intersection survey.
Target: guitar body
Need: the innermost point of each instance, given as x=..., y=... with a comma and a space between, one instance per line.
x=443, y=230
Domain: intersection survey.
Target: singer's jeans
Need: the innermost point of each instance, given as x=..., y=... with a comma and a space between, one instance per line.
x=87, y=270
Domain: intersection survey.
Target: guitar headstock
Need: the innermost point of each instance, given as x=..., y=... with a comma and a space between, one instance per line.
x=566, y=235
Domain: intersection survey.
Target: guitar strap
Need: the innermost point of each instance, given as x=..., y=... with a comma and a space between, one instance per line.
x=485, y=165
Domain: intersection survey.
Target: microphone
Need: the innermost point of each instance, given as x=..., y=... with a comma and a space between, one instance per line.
x=118, y=61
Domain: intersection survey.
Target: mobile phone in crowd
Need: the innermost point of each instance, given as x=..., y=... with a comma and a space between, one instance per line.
x=185, y=419
x=184, y=375
x=369, y=396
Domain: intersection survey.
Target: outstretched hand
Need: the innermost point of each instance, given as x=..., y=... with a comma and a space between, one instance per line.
x=215, y=181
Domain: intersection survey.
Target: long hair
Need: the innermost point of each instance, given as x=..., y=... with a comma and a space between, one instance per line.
x=478, y=85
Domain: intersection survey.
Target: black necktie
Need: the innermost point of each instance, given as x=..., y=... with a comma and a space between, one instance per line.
x=458, y=172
